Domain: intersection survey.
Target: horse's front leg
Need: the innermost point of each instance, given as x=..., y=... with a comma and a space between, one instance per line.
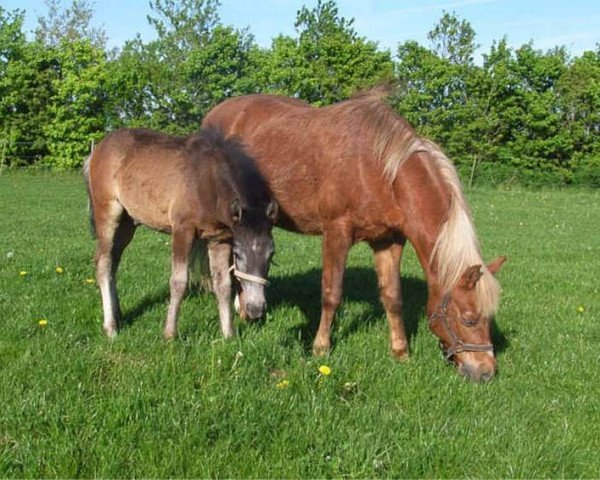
x=219, y=254
x=183, y=239
x=387, y=261
x=336, y=244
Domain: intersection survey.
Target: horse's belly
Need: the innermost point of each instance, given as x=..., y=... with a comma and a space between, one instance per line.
x=148, y=202
x=156, y=216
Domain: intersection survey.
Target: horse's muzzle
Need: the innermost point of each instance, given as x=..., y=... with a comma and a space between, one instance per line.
x=255, y=310
x=482, y=371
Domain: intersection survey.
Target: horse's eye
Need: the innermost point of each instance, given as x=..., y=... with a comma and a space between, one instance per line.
x=469, y=322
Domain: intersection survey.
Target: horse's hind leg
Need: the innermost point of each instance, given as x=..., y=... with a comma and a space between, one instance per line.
x=114, y=230
x=220, y=257
x=183, y=240
x=387, y=260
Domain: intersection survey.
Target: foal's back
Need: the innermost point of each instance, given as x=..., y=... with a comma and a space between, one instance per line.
x=159, y=179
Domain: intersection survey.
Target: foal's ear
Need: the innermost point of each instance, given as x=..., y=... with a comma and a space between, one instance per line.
x=494, y=265
x=471, y=276
x=235, y=210
x=273, y=211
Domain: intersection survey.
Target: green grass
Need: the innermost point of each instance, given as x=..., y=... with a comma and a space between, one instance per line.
x=74, y=404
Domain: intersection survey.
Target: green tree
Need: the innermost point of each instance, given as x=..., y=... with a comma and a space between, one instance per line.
x=196, y=62
x=25, y=89
x=76, y=72
x=78, y=105
x=453, y=39
x=69, y=24
x=433, y=85
x=327, y=62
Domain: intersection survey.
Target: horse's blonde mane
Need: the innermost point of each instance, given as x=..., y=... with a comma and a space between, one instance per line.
x=457, y=247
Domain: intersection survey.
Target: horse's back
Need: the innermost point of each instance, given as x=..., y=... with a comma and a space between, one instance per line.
x=151, y=174
x=251, y=111
x=316, y=164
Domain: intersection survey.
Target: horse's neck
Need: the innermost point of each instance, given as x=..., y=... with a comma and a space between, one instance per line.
x=426, y=201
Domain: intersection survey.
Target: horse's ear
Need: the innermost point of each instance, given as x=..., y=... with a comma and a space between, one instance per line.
x=273, y=211
x=235, y=210
x=471, y=276
x=494, y=265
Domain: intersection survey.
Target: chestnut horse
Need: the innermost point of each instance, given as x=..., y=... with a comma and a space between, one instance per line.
x=356, y=171
x=205, y=191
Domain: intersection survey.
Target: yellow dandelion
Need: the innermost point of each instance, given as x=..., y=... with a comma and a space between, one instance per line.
x=23, y=273
x=324, y=370
x=59, y=270
x=89, y=281
x=42, y=322
x=283, y=384
x=580, y=309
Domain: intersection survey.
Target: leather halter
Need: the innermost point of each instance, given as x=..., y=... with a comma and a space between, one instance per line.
x=441, y=313
x=246, y=276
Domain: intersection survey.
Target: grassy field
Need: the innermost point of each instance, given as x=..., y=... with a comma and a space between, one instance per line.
x=74, y=404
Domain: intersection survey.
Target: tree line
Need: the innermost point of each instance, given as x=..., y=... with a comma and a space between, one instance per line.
x=522, y=115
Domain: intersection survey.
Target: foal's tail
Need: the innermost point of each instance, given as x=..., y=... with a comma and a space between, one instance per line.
x=199, y=267
x=86, y=175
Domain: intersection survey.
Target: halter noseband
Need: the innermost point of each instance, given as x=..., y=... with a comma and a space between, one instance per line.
x=441, y=313
x=246, y=276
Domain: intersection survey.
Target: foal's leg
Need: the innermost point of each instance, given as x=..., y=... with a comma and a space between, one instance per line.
x=336, y=244
x=112, y=234
x=183, y=239
x=387, y=261
x=219, y=254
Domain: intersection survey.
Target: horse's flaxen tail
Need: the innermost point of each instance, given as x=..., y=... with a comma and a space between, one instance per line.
x=86, y=175
x=199, y=266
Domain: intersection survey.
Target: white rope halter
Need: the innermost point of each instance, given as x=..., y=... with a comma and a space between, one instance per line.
x=246, y=276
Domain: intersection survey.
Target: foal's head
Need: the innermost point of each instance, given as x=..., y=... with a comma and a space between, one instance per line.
x=253, y=249
x=461, y=319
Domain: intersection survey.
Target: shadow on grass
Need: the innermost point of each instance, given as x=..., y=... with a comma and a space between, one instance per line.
x=360, y=285
x=148, y=302
x=304, y=291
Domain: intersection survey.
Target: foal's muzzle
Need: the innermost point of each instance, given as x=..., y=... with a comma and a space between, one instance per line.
x=254, y=299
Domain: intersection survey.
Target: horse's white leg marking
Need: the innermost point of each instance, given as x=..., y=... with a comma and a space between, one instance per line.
x=106, y=283
x=236, y=302
x=105, y=274
x=220, y=255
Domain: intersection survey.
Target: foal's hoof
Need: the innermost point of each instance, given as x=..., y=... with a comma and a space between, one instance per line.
x=400, y=354
x=169, y=336
x=110, y=332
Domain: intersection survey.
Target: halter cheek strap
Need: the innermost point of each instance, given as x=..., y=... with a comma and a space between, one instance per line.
x=441, y=313
x=246, y=276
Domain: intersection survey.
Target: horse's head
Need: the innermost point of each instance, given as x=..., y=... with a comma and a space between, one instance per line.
x=461, y=319
x=253, y=249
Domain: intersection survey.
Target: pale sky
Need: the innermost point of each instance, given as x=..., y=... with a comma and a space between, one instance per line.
x=574, y=23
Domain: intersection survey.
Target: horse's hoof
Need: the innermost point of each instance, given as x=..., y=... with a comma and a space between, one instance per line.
x=110, y=332
x=320, y=350
x=400, y=354
x=169, y=336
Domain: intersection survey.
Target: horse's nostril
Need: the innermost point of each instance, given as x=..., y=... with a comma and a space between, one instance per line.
x=475, y=374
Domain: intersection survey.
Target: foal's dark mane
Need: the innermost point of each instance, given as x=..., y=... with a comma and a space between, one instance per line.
x=235, y=169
